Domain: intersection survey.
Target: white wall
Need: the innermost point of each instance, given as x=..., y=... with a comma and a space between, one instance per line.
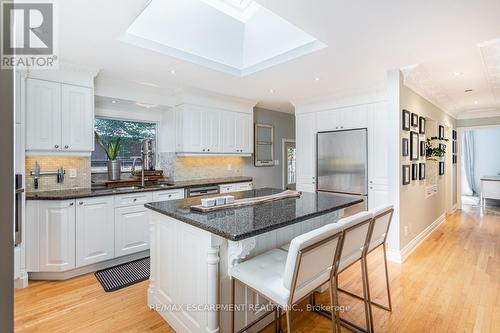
x=417, y=211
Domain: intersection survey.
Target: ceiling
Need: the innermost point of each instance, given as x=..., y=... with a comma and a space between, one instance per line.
x=432, y=40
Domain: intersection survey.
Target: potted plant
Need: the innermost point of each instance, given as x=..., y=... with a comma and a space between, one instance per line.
x=112, y=148
x=432, y=152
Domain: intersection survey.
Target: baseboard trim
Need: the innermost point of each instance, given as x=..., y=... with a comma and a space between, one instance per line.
x=399, y=256
x=59, y=276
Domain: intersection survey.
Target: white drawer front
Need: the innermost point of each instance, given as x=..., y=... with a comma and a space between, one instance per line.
x=168, y=195
x=235, y=187
x=133, y=199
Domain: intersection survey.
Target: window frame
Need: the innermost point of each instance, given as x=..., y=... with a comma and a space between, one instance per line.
x=125, y=168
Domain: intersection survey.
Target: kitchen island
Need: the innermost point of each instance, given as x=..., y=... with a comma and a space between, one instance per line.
x=192, y=253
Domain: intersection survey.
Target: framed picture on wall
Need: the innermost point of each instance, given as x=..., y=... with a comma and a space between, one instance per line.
x=454, y=159
x=421, y=171
x=406, y=174
x=414, y=146
x=422, y=148
x=441, y=133
x=414, y=171
x=421, y=125
x=414, y=120
x=441, y=168
x=404, y=147
x=454, y=147
x=454, y=135
x=406, y=120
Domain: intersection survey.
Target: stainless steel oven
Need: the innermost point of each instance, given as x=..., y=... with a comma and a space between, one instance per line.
x=18, y=216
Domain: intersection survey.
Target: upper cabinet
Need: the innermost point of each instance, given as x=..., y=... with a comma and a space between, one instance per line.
x=59, y=117
x=206, y=131
x=342, y=119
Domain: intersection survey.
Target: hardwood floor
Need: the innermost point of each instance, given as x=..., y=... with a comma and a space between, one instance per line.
x=451, y=283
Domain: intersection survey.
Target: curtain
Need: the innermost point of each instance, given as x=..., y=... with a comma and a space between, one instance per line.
x=468, y=159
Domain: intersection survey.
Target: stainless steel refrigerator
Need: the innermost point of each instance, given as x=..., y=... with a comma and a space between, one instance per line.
x=342, y=162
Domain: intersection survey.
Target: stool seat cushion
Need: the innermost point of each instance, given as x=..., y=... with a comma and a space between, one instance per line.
x=264, y=273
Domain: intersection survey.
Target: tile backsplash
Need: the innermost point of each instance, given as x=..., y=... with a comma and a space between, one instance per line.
x=188, y=168
x=52, y=163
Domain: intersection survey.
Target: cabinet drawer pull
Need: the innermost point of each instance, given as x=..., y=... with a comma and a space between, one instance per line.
x=80, y=203
x=72, y=203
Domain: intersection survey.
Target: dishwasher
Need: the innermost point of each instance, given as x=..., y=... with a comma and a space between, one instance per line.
x=198, y=191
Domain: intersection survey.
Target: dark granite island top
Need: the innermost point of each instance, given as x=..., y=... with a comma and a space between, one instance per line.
x=244, y=222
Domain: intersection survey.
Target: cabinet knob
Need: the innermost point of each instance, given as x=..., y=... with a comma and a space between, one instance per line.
x=208, y=149
x=135, y=199
x=371, y=188
x=203, y=149
x=170, y=195
x=371, y=181
x=56, y=146
x=66, y=147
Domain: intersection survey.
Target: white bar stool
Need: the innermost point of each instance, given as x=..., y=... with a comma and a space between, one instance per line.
x=381, y=221
x=286, y=279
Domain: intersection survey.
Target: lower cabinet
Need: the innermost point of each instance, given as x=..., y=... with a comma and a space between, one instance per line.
x=131, y=230
x=56, y=236
x=94, y=230
x=236, y=187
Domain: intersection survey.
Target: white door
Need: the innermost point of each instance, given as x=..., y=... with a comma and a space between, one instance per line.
x=306, y=152
x=43, y=115
x=56, y=236
x=77, y=118
x=211, y=131
x=378, y=145
x=244, y=133
x=94, y=230
x=193, y=130
x=131, y=230
x=353, y=117
x=229, y=132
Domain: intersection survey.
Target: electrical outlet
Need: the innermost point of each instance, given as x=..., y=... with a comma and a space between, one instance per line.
x=229, y=167
x=72, y=173
x=406, y=230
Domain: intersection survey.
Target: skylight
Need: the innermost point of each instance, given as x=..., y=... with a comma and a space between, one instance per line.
x=238, y=37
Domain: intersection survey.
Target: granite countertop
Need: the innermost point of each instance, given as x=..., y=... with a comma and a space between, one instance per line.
x=89, y=192
x=244, y=222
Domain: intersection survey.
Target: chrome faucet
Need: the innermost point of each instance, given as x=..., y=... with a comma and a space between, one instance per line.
x=142, y=169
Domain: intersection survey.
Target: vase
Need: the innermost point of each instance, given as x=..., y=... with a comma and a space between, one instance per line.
x=114, y=170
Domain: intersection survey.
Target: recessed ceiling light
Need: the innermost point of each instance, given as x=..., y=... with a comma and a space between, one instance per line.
x=476, y=102
x=172, y=71
x=458, y=73
x=316, y=78
x=147, y=106
x=113, y=101
x=271, y=91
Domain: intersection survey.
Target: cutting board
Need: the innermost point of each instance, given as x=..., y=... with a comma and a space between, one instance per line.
x=248, y=201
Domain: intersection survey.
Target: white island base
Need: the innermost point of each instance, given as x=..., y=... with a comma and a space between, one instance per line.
x=190, y=272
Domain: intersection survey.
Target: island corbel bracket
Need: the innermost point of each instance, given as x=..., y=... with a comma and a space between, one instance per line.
x=213, y=288
x=238, y=251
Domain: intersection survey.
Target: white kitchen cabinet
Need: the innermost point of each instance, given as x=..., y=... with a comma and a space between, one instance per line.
x=378, y=145
x=43, y=115
x=198, y=130
x=59, y=117
x=237, y=133
x=168, y=195
x=94, y=230
x=235, y=187
x=77, y=118
x=306, y=152
x=378, y=195
x=351, y=117
x=56, y=236
x=204, y=131
x=131, y=230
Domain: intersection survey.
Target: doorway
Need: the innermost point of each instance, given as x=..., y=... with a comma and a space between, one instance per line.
x=289, y=163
